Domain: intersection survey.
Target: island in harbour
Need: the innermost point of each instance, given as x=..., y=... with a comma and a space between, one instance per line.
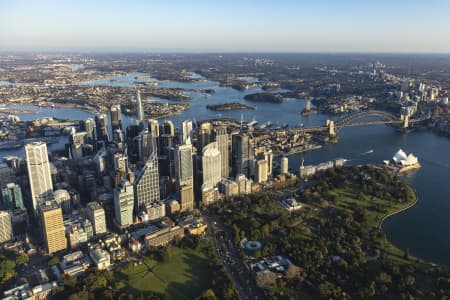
x=265, y=97
x=229, y=106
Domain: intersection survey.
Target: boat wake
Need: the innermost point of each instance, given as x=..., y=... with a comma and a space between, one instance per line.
x=367, y=152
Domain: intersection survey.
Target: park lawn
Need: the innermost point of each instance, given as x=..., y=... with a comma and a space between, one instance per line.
x=350, y=197
x=185, y=276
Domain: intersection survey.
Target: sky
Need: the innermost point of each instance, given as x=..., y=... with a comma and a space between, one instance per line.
x=408, y=26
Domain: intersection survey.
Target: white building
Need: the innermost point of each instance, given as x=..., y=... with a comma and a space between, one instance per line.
x=96, y=214
x=403, y=159
x=284, y=165
x=39, y=173
x=211, y=164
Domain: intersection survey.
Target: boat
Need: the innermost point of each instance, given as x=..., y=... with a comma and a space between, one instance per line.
x=266, y=125
x=252, y=122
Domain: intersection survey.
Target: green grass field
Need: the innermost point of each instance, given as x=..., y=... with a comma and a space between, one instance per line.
x=185, y=276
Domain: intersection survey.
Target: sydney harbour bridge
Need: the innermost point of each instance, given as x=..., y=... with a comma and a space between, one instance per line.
x=332, y=127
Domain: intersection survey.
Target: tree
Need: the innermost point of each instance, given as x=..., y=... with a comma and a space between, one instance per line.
x=22, y=259
x=207, y=295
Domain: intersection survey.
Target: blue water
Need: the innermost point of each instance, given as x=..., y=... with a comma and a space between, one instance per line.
x=423, y=229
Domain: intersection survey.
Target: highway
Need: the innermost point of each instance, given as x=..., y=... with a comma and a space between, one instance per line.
x=228, y=254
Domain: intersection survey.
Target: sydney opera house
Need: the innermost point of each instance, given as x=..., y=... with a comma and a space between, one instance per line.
x=403, y=162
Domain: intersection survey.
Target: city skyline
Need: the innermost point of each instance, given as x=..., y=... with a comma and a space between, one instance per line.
x=202, y=26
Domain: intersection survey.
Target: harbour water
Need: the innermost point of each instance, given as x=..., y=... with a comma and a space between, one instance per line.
x=423, y=229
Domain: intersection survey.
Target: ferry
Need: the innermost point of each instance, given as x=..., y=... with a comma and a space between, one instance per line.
x=266, y=125
x=252, y=122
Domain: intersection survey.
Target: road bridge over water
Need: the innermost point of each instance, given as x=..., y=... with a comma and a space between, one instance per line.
x=332, y=127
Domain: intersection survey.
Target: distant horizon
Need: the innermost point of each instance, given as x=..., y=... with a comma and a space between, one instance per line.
x=213, y=52
x=201, y=26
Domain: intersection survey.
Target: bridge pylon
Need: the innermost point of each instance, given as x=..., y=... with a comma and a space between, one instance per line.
x=405, y=122
x=331, y=128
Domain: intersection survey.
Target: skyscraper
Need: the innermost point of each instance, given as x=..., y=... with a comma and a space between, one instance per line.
x=211, y=164
x=284, y=165
x=153, y=128
x=183, y=164
x=116, y=117
x=261, y=170
x=185, y=176
x=101, y=122
x=269, y=157
x=186, y=132
x=168, y=128
x=166, y=138
x=6, y=232
x=96, y=214
x=6, y=175
x=124, y=203
x=146, y=145
x=222, y=144
x=53, y=227
x=242, y=154
x=146, y=185
x=89, y=127
x=139, y=107
x=38, y=173
x=204, y=135
x=12, y=197
x=121, y=164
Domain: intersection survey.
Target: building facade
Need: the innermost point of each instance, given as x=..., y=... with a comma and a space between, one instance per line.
x=96, y=214
x=222, y=144
x=39, y=174
x=53, y=227
x=6, y=232
x=146, y=185
x=124, y=203
x=211, y=164
x=12, y=197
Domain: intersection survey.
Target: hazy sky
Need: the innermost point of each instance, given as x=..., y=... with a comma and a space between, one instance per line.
x=231, y=25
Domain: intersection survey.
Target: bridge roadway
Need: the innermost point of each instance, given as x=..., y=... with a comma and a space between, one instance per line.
x=348, y=121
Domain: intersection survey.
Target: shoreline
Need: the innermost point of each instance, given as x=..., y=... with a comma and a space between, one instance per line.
x=398, y=211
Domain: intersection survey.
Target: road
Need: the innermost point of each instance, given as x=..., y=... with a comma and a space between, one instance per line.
x=228, y=254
